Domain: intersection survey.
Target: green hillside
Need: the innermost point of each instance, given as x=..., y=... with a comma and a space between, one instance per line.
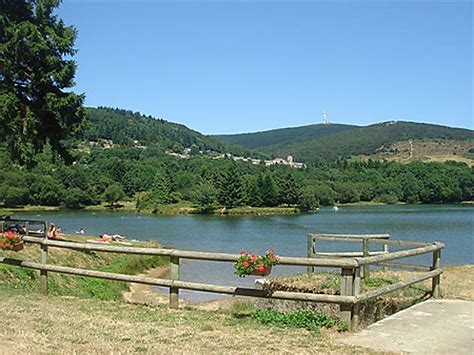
x=127, y=129
x=124, y=127
x=345, y=141
x=274, y=139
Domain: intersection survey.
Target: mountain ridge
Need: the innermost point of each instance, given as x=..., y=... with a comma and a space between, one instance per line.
x=345, y=142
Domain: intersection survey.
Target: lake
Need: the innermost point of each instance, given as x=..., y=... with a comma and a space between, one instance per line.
x=451, y=224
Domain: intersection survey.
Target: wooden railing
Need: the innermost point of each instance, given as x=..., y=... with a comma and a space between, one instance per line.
x=348, y=300
x=351, y=238
x=350, y=277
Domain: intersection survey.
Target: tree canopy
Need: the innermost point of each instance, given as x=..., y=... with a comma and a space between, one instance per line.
x=36, y=70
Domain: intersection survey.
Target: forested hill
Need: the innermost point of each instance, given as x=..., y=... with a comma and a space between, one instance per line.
x=274, y=139
x=128, y=128
x=124, y=127
x=353, y=141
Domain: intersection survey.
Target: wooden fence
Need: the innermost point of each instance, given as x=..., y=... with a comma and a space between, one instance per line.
x=348, y=300
x=352, y=238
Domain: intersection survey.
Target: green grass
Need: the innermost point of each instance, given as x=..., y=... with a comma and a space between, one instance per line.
x=313, y=321
x=18, y=278
x=33, y=323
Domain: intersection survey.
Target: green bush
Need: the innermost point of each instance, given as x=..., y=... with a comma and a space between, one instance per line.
x=300, y=319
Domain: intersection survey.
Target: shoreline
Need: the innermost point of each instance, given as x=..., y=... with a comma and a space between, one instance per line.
x=183, y=210
x=143, y=294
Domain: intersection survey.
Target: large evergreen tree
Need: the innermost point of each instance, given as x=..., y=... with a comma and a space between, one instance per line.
x=290, y=190
x=230, y=187
x=36, y=69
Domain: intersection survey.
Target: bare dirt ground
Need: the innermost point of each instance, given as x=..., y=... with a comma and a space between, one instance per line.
x=144, y=294
x=435, y=150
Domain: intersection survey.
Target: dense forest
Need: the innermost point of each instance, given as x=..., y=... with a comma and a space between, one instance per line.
x=320, y=142
x=267, y=140
x=126, y=128
x=150, y=179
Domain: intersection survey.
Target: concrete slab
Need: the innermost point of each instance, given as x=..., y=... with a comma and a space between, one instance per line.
x=431, y=327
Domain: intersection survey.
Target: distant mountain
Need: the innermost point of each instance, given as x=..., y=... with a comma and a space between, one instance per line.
x=128, y=128
x=275, y=139
x=330, y=142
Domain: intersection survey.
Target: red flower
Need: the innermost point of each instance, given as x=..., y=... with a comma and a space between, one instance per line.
x=261, y=268
x=254, y=257
x=242, y=252
x=246, y=264
x=271, y=250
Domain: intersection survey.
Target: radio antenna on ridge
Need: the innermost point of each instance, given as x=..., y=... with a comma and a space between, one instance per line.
x=325, y=117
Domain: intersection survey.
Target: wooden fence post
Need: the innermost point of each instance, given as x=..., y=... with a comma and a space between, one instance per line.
x=385, y=250
x=355, y=307
x=311, y=246
x=436, y=280
x=350, y=285
x=44, y=273
x=174, y=291
x=365, y=244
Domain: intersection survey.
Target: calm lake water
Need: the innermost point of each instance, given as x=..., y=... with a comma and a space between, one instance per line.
x=452, y=225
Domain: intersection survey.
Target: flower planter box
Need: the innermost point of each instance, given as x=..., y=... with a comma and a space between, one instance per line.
x=265, y=272
x=17, y=247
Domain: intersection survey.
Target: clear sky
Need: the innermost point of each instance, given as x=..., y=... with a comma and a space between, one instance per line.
x=241, y=66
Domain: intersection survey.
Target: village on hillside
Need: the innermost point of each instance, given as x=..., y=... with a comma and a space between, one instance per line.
x=186, y=154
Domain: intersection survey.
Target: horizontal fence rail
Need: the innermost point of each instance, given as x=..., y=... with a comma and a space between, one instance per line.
x=230, y=290
x=399, y=285
x=350, y=279
x=399, y=254
x=352, y=264
x=197, y=255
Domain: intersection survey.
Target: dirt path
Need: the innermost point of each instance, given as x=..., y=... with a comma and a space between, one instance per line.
x=144, y=294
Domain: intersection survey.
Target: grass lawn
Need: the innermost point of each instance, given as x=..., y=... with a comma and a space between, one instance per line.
x=56, y=324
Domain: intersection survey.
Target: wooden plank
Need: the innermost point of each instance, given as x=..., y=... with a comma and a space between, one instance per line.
x=44, y=273
x=349, y=254
x=356, y=307
x=345, y=310
x=231, y=290
x=174, y=291
x=396, y=286
x=403, y=243
x=385, y=250
x=365, y=249
x=404, y=266
x=351, y=236
x=334, y=239
x=435, y=288
x=187, y=254
x=311, y=247
x=400, y=254
x=21, y=221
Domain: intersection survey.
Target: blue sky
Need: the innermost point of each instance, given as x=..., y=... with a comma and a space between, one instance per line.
x=229, y=66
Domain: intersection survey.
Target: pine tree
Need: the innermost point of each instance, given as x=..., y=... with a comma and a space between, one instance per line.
x=230, y=187
x=35, y=72
x=268, y=191
x=290, y=190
